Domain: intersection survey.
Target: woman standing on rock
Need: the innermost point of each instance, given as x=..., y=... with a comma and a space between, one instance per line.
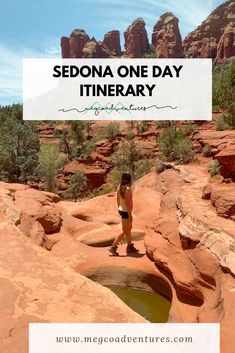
x=125, y=206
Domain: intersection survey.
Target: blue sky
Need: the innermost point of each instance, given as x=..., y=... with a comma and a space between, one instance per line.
x=32, y=28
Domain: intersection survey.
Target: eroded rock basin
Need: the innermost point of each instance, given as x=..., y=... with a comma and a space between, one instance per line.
x=150, y=305
x=143, y=290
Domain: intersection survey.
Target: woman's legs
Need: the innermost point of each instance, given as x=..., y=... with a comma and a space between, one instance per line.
x=118, y=239
x=126, y=227
x=126, y=232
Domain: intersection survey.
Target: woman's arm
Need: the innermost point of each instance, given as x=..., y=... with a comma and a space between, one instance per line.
x=118, y=198
x=129, y=200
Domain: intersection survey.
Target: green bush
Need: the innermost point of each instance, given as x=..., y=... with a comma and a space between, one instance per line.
x=221, y=124
x=65, y=141
x=176, y=146
x=230, y=119
x=165, y=124
x=116, y=177
x=188, y=129
x=183, y=151
x=142, y=126
x=126, y=156
x=49, y=164
x=224, y=91
x=214, y=168
x=77, y=186
x=130, y=134
x=143, y=167
x=77, y=132
x=129, y=158
x=207, y=151
x=112, y=130
x=88, y=149
x=19, y=146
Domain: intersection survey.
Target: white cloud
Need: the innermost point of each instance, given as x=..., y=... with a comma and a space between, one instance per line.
x=191, y=13
x=111, y=14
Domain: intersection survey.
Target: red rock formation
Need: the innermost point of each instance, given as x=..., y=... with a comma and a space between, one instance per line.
x=37, y=287
x=192, y=249
x=166, y=37
x=65, y=50
x=33, y=211
x=136, y=39
x=191, y=245
x=94, y=49
x=226, y=158
x=217, y=140
x=112, y=41
x=214, y=38
x=223, y=199
x=79, y=45
x=96, y=175
x=77, y=41
x=226, y=46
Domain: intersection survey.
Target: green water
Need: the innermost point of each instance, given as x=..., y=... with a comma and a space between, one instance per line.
x=150, y=305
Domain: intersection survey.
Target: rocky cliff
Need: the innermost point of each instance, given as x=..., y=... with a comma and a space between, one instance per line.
x=192, y=243
x=166, y=37
x=214, y=38
x=37, y=286
x=136, y=39
x=80, y=45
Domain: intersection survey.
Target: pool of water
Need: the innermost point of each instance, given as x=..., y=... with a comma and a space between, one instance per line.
x=150, y=305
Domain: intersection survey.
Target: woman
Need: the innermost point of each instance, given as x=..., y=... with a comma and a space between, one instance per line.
x=125, y=205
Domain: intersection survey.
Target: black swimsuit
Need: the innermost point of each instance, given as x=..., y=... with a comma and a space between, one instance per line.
x=123, y=214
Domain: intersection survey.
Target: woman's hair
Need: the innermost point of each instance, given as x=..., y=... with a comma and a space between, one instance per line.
x=125, y=181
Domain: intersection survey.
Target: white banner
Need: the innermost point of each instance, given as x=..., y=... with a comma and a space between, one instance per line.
x=116, y=338
x=117, y=89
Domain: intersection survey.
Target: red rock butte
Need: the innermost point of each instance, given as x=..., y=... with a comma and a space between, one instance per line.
x=166, y=37
x=214, y=38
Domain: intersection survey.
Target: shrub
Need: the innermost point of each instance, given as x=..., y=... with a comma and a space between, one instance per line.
x=130, y=134
x=230, y=119
x=183, y=151
x=116, y=176
x=98, y=137
x=19, y=146
x=88, y=127
x=49, y=164
x=65, y=139
x=88, y=148
x=131, y=124
x=160, y=167
x=221, y=124
x=77, y=185
x=176, y=146
x=142, y=126
x=165, y=123
x=188, y=129
x=112, y=130
x=207, y=151
x=214, y=168
x=126, y=156
x=143, y=168
x=224, y=91
x=77, y=130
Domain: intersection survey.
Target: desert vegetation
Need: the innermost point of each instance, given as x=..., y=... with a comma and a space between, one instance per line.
x=224, y=94
x=39, y=153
